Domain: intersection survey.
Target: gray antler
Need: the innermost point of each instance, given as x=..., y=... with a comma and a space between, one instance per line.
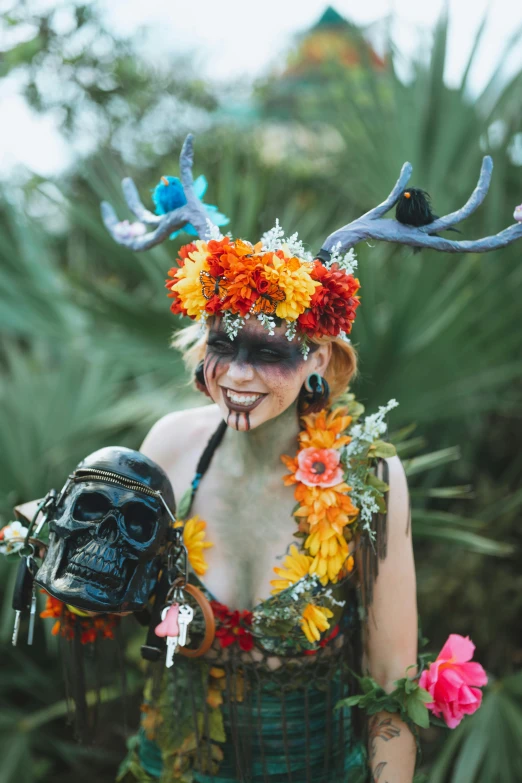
x=373, y=225
x=134, y=235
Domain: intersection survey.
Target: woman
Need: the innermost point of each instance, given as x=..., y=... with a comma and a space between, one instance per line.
x=257, y=382
x=272, y=354
x=302, y=594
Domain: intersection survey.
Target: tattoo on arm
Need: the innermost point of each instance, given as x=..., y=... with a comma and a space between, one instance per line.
x=386, y=730
x=383, y=728
x=377, y=771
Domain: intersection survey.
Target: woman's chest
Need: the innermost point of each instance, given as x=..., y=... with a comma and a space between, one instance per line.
x=250, y=526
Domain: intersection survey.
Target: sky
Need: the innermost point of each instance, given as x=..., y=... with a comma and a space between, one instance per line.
x=233, y=39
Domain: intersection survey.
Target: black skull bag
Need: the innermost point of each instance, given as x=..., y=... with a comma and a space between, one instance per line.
x=108, y=532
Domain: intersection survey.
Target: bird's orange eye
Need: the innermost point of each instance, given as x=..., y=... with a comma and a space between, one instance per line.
x=407, y=195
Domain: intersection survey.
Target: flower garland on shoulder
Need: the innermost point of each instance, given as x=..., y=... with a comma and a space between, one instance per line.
x=337, y=494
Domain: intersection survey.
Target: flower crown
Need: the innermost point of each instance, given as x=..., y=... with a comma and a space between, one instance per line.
x=275, y=281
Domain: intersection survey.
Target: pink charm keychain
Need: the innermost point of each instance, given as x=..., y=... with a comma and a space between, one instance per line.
x=169, y=627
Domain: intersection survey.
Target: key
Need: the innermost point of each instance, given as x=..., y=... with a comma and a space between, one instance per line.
x=186, y=613
x=169, y=628
x=172, y=646
x=23, y=592
x=32, y=618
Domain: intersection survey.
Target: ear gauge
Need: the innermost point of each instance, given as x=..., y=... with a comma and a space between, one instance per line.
x=199, y=379
x=315, y=393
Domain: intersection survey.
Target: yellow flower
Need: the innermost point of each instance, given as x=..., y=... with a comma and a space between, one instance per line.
x=296, y=566
x=189, y=287
x=314, y=621
x=329, y=556
x=194, y=534
x=293, y=277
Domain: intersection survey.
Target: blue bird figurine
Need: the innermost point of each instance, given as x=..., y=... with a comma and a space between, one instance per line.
x=169, y=194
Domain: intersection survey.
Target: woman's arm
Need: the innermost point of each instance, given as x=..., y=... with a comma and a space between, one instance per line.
x=391, y=636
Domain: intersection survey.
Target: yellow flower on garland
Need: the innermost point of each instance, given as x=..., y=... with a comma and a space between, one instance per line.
x=296, y=566
x=294, y=278
x=329, y=556
x=314, y=621
x=194, y=534
x=188, y=286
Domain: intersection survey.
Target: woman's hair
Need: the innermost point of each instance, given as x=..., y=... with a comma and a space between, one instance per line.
x=192, y=342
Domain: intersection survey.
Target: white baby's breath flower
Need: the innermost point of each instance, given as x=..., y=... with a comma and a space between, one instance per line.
x=213, y=231
x=232, y=324
x=291, y=329
x=268, y=322
x=272, y=240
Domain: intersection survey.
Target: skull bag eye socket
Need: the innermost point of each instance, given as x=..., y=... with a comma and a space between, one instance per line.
x=139, y=521
x=90, y=507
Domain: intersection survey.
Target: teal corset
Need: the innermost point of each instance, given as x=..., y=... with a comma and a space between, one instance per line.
x=266, y=715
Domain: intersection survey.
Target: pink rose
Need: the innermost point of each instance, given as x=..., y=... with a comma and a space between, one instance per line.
x=452, y=681
x=319, y=467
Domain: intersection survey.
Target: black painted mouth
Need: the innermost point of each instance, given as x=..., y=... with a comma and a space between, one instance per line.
x=238, y=407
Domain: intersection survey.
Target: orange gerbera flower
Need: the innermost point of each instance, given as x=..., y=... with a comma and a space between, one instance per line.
x=241, y=290
x=331, y=504
x=323, y=429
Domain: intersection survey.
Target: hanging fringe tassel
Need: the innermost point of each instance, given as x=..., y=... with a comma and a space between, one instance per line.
x=375, y=547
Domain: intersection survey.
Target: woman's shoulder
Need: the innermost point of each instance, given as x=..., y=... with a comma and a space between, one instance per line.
x=173, y=434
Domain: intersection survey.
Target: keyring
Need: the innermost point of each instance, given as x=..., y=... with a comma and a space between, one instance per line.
x=208, y=616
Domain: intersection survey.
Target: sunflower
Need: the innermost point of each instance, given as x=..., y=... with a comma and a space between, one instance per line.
x=188, y=286
x=314, y=621
x=194, y=534
x=293, y=277
x=296, y=566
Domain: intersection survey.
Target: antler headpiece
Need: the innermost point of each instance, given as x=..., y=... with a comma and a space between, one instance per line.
x=277, y=277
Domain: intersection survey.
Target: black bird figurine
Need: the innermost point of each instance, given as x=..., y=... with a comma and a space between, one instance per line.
x=414, y=209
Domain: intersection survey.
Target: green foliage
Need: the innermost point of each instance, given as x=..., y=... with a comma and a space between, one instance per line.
x=85, y=327
x=408, y=699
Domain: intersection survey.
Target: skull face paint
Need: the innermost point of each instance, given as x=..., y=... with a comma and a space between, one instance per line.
x=108, y=533
x=255, y=376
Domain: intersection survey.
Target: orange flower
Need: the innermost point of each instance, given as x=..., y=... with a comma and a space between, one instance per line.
x=332, y=504
x=323, y=429
x=319, y=467
x=241, y=289
x=91, y=628
x=194, y=534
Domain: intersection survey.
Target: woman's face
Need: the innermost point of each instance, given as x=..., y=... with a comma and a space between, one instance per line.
x=256, y=376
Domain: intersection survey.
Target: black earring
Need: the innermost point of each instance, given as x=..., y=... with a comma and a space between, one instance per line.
x=314, y=394
x=199, y=378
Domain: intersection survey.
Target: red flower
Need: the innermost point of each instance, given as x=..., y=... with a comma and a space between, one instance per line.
x=231, y=626
x=330, y=637
x=184, y=252
x=333, y=305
